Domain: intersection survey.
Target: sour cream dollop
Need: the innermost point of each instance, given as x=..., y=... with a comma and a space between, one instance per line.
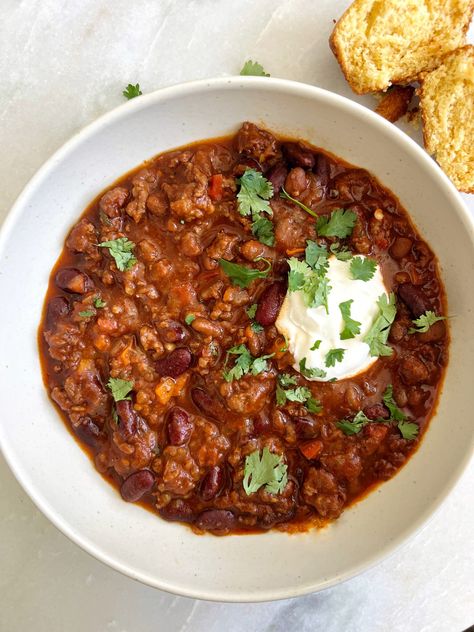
x=302, y=326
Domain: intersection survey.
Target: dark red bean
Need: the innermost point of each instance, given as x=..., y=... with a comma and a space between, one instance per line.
x=377, y=411
x=414, y=371
x=305, y=427
x=414, y=299
x=128, y=418
x=177, y=509
x=261, y=423
x=299, y=155
x=435, y=333
x=269, y=303
x=179, y=426
x=277, y=176
x=216, y=520
x=136, y=485
x=58, y=307
x=210, y=406
x=212, y=483
x=73, y=280
x=175, y=363
x=88, y=432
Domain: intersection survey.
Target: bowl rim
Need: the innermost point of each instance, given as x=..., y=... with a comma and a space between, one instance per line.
x=174, y=92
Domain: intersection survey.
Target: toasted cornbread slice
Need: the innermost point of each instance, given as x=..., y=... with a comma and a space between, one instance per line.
x=447, y=106
x=381, y=42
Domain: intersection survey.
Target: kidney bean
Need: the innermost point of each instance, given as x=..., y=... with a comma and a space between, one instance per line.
x=210, y=406
x=136, y=485
x=435, y=333
x=175, y=363
x=207, y=327
x=305, y=427
x=277, y=176
x=57, y=308
x=216, y=520
x=128, y=418
x=73, y=280
x=179, y=426
x=414, y=299
x=400, y=247
x=177, y=509
x=88, y=431
x=261, y=423
x=269, y=303
x=212, y=483
x=253, y=249
x=296, y=182
x=299, y=155
x=413, y=371
x=172, y=331
x=376, y=411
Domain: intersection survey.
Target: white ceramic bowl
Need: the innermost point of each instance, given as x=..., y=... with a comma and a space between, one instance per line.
x=57, y=474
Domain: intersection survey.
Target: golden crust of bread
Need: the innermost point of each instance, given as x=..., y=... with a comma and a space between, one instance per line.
x=378, y=43
x=447, y=106
x=394, y=103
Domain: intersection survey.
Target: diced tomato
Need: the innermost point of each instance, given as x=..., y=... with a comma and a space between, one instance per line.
x=215, y=187
x=311, y=449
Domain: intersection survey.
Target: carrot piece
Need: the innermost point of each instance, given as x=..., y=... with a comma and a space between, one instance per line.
x=311, y=449
x=294, y=251
x=215, y=187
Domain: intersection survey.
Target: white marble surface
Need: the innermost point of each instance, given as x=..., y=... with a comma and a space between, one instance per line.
x=62, y=64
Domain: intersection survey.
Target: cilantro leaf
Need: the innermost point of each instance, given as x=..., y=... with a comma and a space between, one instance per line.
x=121, y=250
x=408, y=430
x=244, y=363
x=313, y=405
x=189, y=318
x=424, y=322
x=287, y=196
x=354, y=426
x=268, y=470
x=132, y=91
x=300, y=394
x=377, y=335
x=120, y=388
x=241, y=275
x=98, y=302
x=395, y=412
x=316, y=256
x=253, y=68
x=362, y=268
x=255, y=191
x=299, y=270
x=340, y=224
x=252, y=310
x=285, y=379
x=256, y=327
x=314, y=285
x=316, y=345
x=317, y=291
x=333, y=356
x=341, y=252
x=351, y=327
x=310, y=373
x=263, y=230
x=87, y=313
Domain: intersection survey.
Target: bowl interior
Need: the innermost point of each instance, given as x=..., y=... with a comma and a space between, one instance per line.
x=58, y=475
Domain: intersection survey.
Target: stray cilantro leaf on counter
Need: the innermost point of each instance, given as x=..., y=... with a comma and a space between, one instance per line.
x=310, y=373
x=98, y=302
x=121, y=250
x=255, y=191
x=189, y=318
x=408, y=430
x=241, y=275
x=424, y=322
x=287, y=196
x=395, y=412
x=87, y=313
x=354, y=426
x=362, y=269
x=268, y=470
x=377, y=335
x=333, y=356
x=244, y=364
x=340, y=224
x=316, y=345
x=351, y=327
x=254, y=69
x=251, y=311
x=132, y=91
x=119, y=388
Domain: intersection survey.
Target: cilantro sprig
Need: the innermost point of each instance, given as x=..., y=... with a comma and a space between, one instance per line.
x=377, y=335
x=119, y=388
x=132, y=91
x=313, y=284
x=424, y=322
x=311, y=373
x=255, y=191
x=121, y=250
x=351, y=326
x=362, y=268
x=300, y=394
x=253, y=68
x=241, y=275
x=268, y=469
x=244, y=364
x=340, y=224
x=333, y=356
